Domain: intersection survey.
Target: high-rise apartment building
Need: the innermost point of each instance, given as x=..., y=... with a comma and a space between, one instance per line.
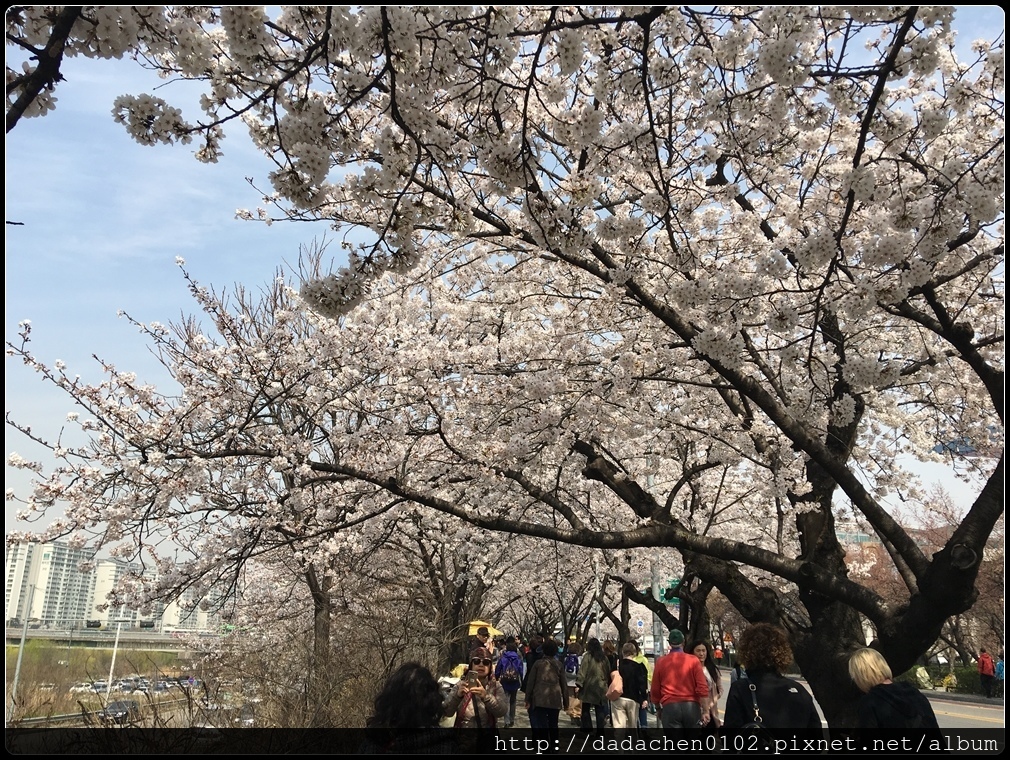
x=63, y=595
x=50, y=576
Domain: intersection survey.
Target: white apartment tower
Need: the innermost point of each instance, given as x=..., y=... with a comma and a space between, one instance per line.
x=50, y=575
x=108, y=574
x=65, y=596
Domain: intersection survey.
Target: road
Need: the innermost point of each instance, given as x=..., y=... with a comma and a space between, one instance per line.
x=151, y=641
x=960, y=714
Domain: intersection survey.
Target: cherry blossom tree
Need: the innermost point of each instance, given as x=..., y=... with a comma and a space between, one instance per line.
x=198, y=473
x=444, y=573
x=192, y=457
x=621, y=272
x=568, y=588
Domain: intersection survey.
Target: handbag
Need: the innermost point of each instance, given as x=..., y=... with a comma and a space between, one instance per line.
x=616, y=689
x=574, y=708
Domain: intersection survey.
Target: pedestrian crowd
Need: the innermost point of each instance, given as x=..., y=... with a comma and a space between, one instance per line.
x=599, y=686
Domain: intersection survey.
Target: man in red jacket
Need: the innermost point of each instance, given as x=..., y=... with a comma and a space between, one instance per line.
x=986, y=672
x=679, y=688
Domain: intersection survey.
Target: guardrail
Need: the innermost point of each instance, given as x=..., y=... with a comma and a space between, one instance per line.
x=92, y=718
x=74, y=719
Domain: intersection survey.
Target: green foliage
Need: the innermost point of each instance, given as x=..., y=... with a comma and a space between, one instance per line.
x=965, y=678
x=968, y=681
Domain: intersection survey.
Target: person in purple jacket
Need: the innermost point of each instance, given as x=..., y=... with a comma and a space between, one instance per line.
x=509, y=672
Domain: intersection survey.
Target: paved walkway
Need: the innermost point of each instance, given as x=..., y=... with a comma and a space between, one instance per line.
x=523, y=717
x=955, y=696
x=566, y=721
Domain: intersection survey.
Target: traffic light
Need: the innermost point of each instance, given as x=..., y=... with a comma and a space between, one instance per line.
x=94, y=624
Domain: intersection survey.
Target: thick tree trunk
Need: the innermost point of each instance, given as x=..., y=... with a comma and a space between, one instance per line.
x=455, y=627
x=821, y=653
x=957, y=641
x=694, y=608
x=320, y=685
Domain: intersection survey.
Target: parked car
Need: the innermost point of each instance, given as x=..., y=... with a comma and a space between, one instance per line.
x=120, y=712
x=246, y=716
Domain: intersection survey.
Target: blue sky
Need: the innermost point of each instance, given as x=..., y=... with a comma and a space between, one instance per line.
x=102, y=220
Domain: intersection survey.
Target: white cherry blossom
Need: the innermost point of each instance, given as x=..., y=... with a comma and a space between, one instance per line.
x=619, y=277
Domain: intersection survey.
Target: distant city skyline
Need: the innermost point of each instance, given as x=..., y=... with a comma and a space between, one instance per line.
x=44, y=582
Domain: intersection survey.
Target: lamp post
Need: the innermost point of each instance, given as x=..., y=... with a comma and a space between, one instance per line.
x=599, y=612
x=21, y=654
x=70, y=643
x=657, y=625
x=112, y=667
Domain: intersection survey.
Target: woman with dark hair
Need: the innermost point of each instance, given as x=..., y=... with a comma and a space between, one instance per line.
x=703, y=651
x=535, y=653
x=406, y=716
x=547, y=694
x=610, y=649
x=410, y=698
x=591, y=685
x=781, y=702
x=477, y=701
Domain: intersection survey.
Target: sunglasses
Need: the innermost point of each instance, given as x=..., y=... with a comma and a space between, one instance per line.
x=478, y=661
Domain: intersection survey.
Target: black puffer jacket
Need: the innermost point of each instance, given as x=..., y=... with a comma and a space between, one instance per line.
x=896, y=705
x=783, y=702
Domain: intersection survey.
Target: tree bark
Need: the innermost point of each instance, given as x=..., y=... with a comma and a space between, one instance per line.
x=320, y=689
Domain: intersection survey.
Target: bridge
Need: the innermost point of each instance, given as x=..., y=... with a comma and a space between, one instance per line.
x=174, y=641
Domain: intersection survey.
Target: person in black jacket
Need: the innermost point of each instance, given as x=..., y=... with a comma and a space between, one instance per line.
x=535, y=652
x=887, y=704
x=407, y=714
x=635, y=695
x=782, y=702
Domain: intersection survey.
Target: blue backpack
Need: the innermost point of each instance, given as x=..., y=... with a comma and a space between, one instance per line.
x=572, y=663
x=509, y=671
